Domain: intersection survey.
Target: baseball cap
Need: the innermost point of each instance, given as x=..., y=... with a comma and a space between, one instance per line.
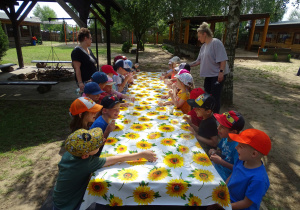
x=84, y=141
x=108, y=69
x=183, y=71
x=92, y=88
x=99, y=77
x=109, y=102
x=110, y=81
x=186, y=79
x=257, y=139
x=129, y=63
x=231, y=119
x=185, y=66
x=118, y=57
x=170, y=61
x=122, y=64
x=175, y=59
x=205, y=101
x=196, y=92
x=84, y=104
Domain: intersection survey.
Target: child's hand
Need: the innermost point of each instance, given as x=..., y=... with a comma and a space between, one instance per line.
x=187, y=118
x=160, y=103
x=164, y=97
x=149, y=155
x=170, y=92
x=111, y=126
x=216, y=158
x=125, y=105
x=212, y=151
x=131, y=99
x=192, y=130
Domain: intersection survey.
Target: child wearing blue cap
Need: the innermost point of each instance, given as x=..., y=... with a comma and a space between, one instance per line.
x=92, y=91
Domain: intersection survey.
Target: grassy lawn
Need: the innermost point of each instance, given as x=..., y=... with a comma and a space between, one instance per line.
x=41, y=52
x=30, y=123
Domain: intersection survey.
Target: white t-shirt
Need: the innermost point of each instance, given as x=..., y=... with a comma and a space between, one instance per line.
x=210, y=56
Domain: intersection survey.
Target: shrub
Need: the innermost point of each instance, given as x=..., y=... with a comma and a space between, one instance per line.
x=289, y=58
x=126, y=47
x=169, y=49
x=3, y=43
x=275, y=57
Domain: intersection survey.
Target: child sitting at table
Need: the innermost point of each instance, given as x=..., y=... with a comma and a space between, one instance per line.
x=123, y=77
x=110, y=72
x=185, y=84
x=83, y=111
x=92, y=91
x=207, y=132
x=249, y=180
x=77, y=164
x=173, y=62
x=226, y=155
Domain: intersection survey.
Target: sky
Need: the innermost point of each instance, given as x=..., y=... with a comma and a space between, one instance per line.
x=60, y=12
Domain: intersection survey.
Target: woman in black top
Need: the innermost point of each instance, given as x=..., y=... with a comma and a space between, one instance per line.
x=83, y=60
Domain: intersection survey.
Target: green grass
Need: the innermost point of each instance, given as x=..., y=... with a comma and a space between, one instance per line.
x=25, y=124
x=41, y=52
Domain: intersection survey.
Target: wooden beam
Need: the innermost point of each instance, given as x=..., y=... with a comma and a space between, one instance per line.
x=237, y=36
x=108, y=20
x=24, y=15
x=72, y=14
x=97, y=16
x=186, y=32
x=264, y=36
x=251, y=35
x=99, y=9
x=21, y=8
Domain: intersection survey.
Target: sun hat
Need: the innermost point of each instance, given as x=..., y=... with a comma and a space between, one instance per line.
x=109, y=102
x=175, y=59
x=108, y=69
x=231, y=119
x=84, y=141
x=84, y=104
x=92, y=88
x=205, y=101
x=183, y=71
x=99, y=77
x=257, y=139
x=122, y=64
x=118, y=57
x=186, y=79
x=183, y=66
x=170, y=61
x=110, y=81
x=195, y=93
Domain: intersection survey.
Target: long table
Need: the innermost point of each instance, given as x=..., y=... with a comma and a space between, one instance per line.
x=183, y=175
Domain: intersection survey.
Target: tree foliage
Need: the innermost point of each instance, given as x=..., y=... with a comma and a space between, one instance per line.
x=44, y=13
x=295, y=15
x=3, y=42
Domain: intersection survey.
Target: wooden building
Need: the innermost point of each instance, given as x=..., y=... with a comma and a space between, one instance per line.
x=27, y=29
x=285, y=34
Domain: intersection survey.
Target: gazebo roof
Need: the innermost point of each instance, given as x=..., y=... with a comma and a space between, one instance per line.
x=3, y=16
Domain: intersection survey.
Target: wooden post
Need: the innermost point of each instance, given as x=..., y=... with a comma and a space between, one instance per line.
x=213, y=27
x=224, y=35
x=187, y=31
x=237, y=36
x=107, y=26
x=264, y=36
x=180, y=34
x=251, y=35
x=156, y=37
x=170, y=31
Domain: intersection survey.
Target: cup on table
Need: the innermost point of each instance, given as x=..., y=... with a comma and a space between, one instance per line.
x=171, y=110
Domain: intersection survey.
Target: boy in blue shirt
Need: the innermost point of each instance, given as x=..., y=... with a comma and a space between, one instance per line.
x=226, y=155
x=249, y=180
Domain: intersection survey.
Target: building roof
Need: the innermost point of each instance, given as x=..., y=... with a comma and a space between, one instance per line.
x=3, y=16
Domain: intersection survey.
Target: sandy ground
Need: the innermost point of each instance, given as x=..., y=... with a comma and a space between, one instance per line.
x=265, y=93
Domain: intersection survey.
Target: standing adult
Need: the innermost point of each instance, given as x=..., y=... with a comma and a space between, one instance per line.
x=83, y=60
x=213, y=66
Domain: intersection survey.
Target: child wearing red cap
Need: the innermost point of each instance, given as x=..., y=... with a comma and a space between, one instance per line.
x=249, y=180
x=226, y=155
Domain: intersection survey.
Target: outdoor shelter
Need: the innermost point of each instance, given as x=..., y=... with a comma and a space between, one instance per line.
x=188, y=31
x=83, y=7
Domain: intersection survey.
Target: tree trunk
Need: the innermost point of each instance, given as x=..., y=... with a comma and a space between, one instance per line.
x=232, y=29
x=138, y=38
x=177, y=25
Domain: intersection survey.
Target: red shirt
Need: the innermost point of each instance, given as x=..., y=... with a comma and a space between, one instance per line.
x=195, y=119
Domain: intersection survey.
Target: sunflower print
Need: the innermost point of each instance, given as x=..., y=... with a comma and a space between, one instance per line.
x=132, y=136
x=120, y=116
x=126, y=121
x=157, y=91
x=132, y=92
x=186, y=136
x=148, y=107
x=143, y=195
x=168, y=142
x=221, y=195
x=157, y=174
x=161, y=109
x=152, y=113
x=162, y=117
x=157, y=96
x=185, y=127
x=194, y=200
x=111, y=141
x=137, y=99
x=150, y=99
x=174, y=122
x=139, y=108
x=105, y=154
x=98, y=187
x=177, y=188
x=178, y=114
x=183, y=149
x=138, y=127
x=144, y=103
x=119, y=127
x=144, y=91
x=156, y=87
x=148, y=125
x=140, y=161
x=154, y=135
x=144, y=119
x=123, y=108
x=144, y=145
x=202, y=175
x=126, y=175
x=135, y=114
x=139, y=95
x=173, y=160
x=121, y=148
x=166, y=128
x=198, y=145
x=115, y=201
x=201, y=159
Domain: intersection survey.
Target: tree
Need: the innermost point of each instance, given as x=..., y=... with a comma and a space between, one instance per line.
x=295, y=15
x=3, y=43
x=44, y=13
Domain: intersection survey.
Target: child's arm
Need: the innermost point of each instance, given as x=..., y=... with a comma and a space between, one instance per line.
x=245, y=203
x=212, y=141
x=110, y=127
x=149, y=155
x=122, y=85
x=218, y=160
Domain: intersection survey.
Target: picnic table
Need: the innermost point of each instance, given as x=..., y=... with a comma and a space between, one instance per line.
x=183, y=175
x=43, y=63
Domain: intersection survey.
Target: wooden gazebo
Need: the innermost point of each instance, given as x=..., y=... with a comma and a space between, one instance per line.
x=82, y=6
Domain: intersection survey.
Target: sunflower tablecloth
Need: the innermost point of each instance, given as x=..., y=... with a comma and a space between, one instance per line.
x=183, y=174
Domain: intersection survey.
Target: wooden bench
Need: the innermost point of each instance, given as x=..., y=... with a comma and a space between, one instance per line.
x=268, y=53
x=43, y=86
x=43, y=63
x=7, y=67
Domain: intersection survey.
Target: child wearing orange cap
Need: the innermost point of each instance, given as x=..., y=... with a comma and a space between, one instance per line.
x=249, y=180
